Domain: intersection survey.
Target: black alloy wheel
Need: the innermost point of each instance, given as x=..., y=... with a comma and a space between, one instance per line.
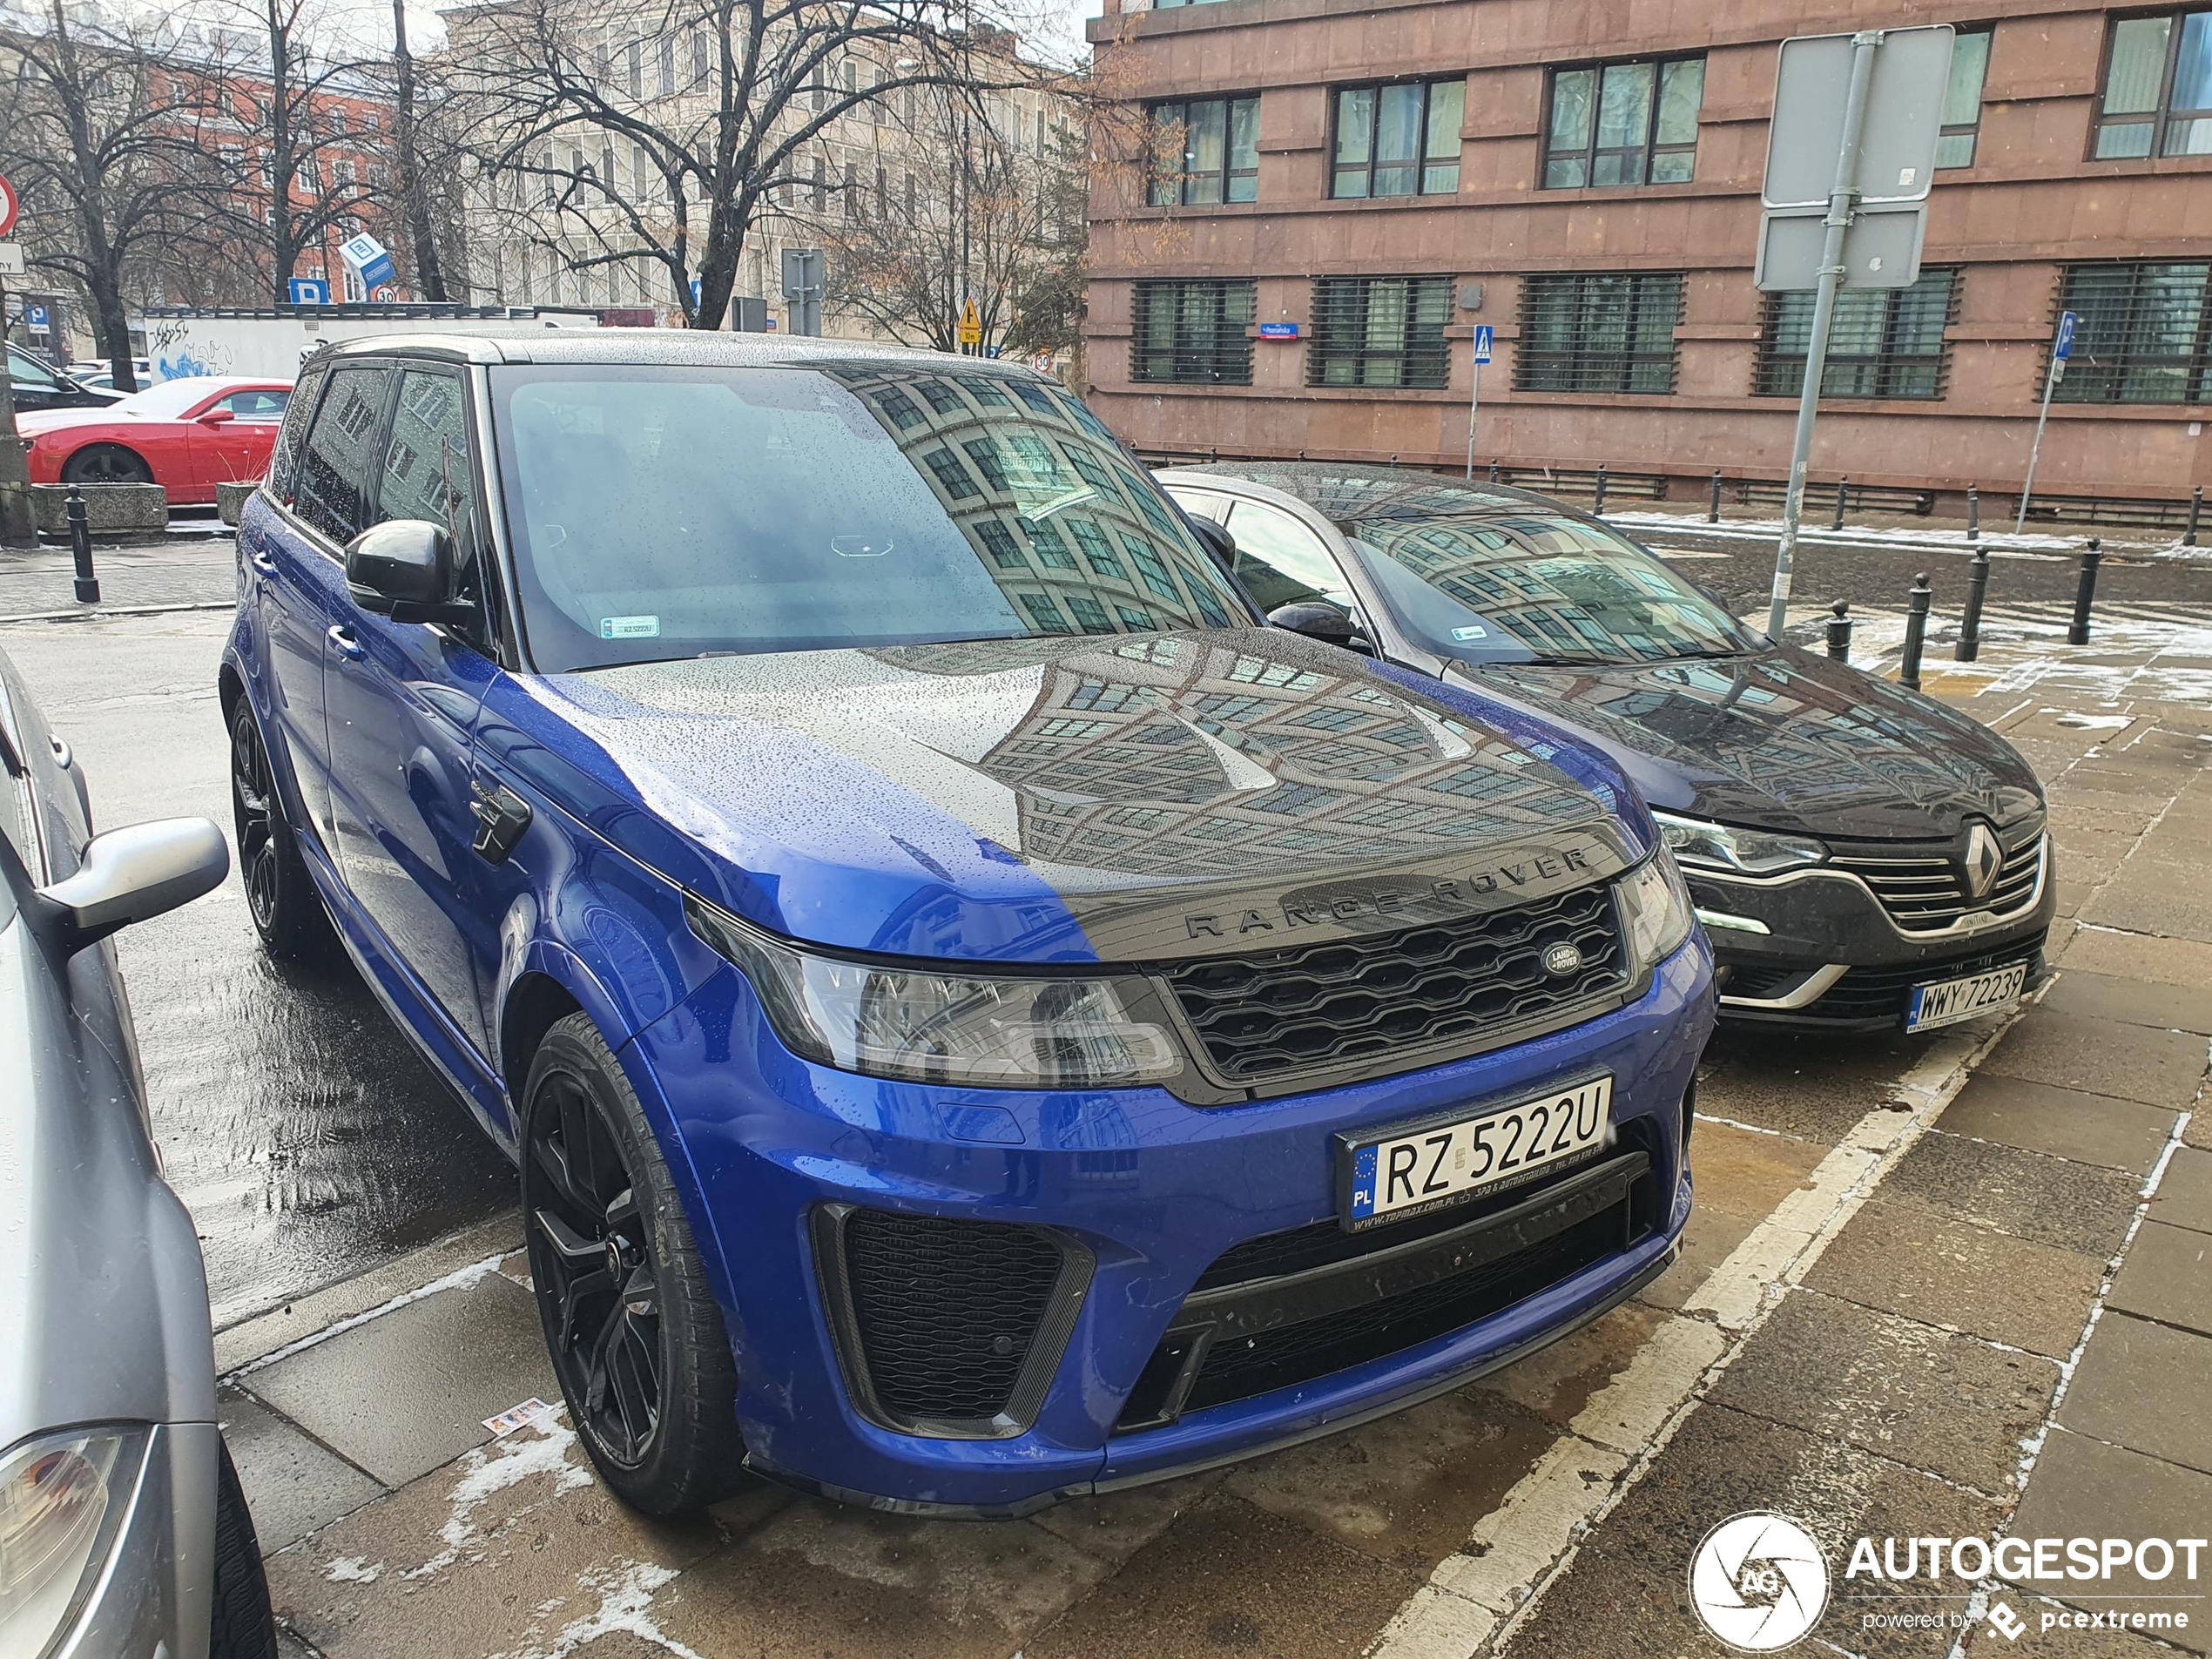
x=636, y=1336
x=590, y=1257
x=280, y=894
x=105, y=463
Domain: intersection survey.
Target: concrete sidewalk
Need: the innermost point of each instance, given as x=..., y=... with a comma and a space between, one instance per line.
x=1933, y=1287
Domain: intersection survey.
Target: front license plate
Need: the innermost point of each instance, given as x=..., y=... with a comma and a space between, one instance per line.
x=1500, y=1147
x=1949, y=1001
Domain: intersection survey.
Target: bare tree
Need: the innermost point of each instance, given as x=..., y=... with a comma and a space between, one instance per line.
x=719, y=111
x=102, y=140
x=985, y=214
x=414, y=198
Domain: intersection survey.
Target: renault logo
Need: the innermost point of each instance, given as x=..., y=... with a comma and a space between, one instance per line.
x=1562, y=959
x=1983, y=858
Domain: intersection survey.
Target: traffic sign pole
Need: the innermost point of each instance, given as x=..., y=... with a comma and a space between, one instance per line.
x=1842, y=201
x=1480, y=355
x=2062, y=349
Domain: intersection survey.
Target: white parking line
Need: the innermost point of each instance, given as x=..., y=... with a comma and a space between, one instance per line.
x=1478, y=1597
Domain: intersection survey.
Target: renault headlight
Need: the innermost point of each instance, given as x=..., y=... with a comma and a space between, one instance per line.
x=926, y=1026
x=1655, y=915
x=1706, y=845
x=61, y=1499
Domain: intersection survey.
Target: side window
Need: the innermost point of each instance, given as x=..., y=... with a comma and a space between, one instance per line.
x=1280, y=562
x=14, y=798
x=427, y=472
x=256, y=406
x=337, y=466
x=284, y=459
x=26, y=370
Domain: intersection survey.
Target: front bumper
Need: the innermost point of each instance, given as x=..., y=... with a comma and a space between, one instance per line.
x=1147, y=1190
x=1815, y=949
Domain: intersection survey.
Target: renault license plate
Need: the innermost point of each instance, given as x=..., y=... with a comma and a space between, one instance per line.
x=1947, y=1001
x=1401, y=1174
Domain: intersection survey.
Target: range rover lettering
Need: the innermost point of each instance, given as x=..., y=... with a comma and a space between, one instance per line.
x=980, y=1017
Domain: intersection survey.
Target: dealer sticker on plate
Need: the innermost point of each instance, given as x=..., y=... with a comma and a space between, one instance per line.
x=1500, y=1146
x=1947, y=1001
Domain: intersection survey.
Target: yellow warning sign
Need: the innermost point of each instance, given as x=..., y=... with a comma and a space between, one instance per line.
x=971, y=326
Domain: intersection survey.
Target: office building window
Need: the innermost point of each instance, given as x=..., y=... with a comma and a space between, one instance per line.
x=1623, y=123
x=2144, y=335
x=1192, y=332
x=1598, y=332
x=1205, y=150
x=1379, y=331
x=1885, y=343
x=1402, y=140
x=2158, y=88
x=1962, y=99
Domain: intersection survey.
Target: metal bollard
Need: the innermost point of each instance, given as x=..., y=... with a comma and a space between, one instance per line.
x=2197, y=511
x=1713, y=501
x=1843, y=494
x=1973, y=513
x=80, y=545
x=1493, y=472
x=1839, y=632
x=1969, y=624
x=2084, y=596
x=1916, y=628
x=1597, y=507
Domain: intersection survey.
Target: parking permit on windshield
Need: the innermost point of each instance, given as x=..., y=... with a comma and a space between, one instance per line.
x=1470, y=632
x=629, y=627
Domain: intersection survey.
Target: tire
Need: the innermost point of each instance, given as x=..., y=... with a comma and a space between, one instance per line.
x=242, y=1628
x=106, y=463
x=647, y=1372
x=280, y=893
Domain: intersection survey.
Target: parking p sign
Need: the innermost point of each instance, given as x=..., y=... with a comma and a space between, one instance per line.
x=2062, y=347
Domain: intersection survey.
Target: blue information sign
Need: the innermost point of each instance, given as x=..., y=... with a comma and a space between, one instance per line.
x=309, y=290
x=1482, y=337
x=2068, y=321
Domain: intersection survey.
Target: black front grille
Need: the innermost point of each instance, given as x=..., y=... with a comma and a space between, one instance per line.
x=945, y=1311
x=1239, y=1368
x=1921, y=886
x=1882, y=993
x=1320, y=1005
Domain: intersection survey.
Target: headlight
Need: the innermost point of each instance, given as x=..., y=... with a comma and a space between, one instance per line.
x=62, y=1497
x=942, y=1027
x=1655, y=916
x=1722, y=847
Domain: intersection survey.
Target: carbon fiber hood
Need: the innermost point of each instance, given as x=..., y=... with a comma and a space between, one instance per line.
x=1169, y=795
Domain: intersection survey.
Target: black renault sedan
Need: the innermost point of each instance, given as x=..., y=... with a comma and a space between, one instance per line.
x=1862, y=857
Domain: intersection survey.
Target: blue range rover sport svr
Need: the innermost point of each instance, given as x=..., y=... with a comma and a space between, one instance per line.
x=981, y=1018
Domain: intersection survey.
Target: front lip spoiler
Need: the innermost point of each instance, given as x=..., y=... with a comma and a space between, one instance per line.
x=1030, y=1505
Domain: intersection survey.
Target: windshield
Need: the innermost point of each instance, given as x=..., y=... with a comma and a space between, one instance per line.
x=166, y=401
x=659, y=513
x=1538, y=587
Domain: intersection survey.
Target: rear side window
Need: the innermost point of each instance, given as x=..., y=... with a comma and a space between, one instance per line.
x=256, y=406
x=26, y=370
x=284, y=459
x=338, y=463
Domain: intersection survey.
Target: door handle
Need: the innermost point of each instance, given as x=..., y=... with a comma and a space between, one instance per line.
x=342, y=637
x=501, y=815
x=261, y=562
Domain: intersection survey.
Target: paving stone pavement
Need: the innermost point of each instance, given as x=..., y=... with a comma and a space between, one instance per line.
x=194, y=567
x=2009, y=1335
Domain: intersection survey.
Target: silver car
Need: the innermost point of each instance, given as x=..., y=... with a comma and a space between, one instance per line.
x=123, y=1532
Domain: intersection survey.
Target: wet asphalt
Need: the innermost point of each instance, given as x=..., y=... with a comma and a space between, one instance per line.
x=294, y=1122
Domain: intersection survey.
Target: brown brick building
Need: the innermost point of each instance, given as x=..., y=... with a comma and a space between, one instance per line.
x=1385, y=174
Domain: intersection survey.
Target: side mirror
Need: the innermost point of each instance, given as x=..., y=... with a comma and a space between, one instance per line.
x=1319, y=619
x=130, y=874
x=219, y=417
x=1220, y=545
x=404, y=568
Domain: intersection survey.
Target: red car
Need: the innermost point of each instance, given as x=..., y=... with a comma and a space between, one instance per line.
x=187, y=436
